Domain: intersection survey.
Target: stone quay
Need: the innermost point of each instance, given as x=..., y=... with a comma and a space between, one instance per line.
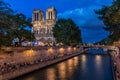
x=22, y=60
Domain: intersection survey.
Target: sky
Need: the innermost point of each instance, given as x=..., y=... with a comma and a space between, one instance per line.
x=81, y=11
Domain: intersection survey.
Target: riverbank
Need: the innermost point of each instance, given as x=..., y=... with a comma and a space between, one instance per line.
x=116, y=65
x=35, y=61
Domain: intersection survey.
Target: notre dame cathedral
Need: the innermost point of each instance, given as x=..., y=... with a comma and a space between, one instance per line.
x=42, y=28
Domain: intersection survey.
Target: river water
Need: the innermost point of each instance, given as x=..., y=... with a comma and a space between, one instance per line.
x=82, y=67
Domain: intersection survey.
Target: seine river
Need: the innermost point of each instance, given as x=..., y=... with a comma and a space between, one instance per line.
x=82, y=67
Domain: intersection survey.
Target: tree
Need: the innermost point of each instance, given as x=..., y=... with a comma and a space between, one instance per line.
x=5, y=16
x=13, y=24
x=67, y=32
x=20, y=23
x=110, y=15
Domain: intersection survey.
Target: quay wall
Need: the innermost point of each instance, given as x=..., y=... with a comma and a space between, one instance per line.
x=116, y=64
x=29, y=56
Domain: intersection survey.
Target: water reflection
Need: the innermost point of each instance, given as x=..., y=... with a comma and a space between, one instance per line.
x=83, y=67
x=70, y=67
x=83, y=58
x=99, y=66
x=98, y=60
x=75, y=62
x=62, y=70
x=50, y=74
x=83, y=62
x=30, y=78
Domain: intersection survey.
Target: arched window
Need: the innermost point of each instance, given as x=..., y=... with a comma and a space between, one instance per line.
x=51, y=15
x=34, y=16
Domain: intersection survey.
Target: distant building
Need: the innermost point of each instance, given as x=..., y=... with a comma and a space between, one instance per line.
x=42, y=28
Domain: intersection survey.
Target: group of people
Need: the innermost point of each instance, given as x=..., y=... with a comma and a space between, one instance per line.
x=16, y=42
x=8, y=67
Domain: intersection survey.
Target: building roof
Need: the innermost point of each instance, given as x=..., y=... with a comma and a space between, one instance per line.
x=37, y=10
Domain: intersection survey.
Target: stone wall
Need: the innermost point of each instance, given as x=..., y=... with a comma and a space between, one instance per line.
x=30, y=56
x=116, y=64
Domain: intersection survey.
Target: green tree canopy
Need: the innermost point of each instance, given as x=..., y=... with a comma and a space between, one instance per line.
x=5, y=15
x=110, y=15
x=13, y=24
x=67, y=32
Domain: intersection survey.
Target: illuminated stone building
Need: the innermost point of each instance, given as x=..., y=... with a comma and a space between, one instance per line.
x=42, y=28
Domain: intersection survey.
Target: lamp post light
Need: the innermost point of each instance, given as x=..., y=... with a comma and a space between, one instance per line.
x=61, y=51
x=69, y=50
x=74, y=49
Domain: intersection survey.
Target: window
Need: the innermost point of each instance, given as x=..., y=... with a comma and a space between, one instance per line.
x=37, y=16
x=34, y=16
x=51, y=15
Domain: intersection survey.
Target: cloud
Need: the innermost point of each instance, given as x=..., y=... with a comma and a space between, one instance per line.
x=81, y=15
x=86, y=19
x=81, y=11
x=64, y=5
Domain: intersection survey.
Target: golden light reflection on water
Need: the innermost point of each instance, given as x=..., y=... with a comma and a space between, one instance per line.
x=75, y=62
x=67, y=68
x=50, y=74
x=98, y=60
x=70, y=67
x=83, y=58
x=30, y=78
x=83, y=62
x=62, y=70
x=86, y=64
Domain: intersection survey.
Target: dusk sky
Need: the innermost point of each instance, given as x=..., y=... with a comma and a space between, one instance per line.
x=81, y=11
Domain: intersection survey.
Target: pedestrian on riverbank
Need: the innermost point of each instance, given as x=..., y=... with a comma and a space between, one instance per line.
x=16, y=41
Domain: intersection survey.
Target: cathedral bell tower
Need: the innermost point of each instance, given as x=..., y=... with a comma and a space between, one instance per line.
x=42, y=28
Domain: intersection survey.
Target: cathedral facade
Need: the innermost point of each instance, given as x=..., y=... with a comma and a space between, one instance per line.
x=42, y=28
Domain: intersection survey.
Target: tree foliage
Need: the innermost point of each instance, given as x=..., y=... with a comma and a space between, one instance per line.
x=5, y=15
x=110, y=15
x=67, y=32
x=13, y=24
